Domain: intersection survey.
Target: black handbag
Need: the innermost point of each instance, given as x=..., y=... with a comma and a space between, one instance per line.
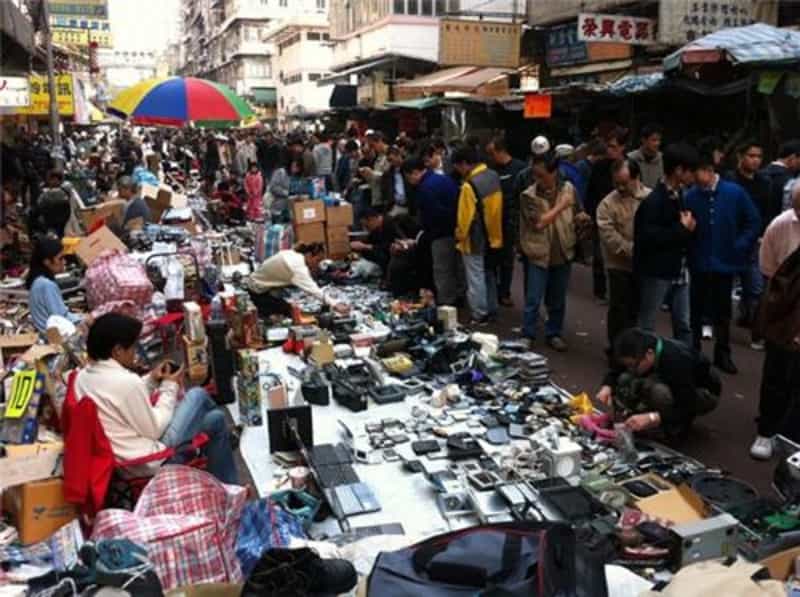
x=520, y=559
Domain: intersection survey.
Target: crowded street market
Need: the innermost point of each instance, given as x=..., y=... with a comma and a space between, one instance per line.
x=539, y=342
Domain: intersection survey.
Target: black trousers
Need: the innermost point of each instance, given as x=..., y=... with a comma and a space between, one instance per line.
x=623, y=303
x=780, y=390
x=598, y=269
x=271, y=303
x=710, y=295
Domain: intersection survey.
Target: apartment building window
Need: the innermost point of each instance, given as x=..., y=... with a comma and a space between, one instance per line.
x=441, y=7
x=413, y=7
x=314, y=76
x=453, y=6
x=313, y=36
x=427, y=8
x=294, y=79
x=283, y=3
x=326, y=37
x=320, y=4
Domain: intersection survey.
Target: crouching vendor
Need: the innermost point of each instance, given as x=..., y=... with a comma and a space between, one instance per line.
x=284, y=269
x=658, y=383
x=144, y=415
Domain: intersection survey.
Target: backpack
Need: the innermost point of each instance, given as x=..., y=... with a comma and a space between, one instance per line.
x=517, y=559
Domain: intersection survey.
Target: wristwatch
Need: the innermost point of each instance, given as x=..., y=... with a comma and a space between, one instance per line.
x=653, y=417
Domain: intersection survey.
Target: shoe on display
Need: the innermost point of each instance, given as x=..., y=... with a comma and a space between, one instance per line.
x=762, y=448
x=708, y=332
x=758, y=345
x=557, y=343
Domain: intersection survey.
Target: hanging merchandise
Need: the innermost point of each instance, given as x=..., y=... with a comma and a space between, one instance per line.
x=174, y=289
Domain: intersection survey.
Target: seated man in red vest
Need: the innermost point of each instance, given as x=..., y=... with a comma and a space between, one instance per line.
x=144, y=415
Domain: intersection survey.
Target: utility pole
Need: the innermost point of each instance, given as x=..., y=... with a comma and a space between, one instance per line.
x=51, y=79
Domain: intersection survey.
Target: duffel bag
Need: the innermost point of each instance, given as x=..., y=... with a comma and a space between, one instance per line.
x=115, y=277
x=520, y=559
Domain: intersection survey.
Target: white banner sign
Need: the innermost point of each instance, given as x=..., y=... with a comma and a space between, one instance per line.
x=682, y=21
x=14, y=92
x=616, y=28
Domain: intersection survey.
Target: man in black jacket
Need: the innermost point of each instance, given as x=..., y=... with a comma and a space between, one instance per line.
x=662, y=232
x=747, y=175
x=658, y=382
x=397, y=196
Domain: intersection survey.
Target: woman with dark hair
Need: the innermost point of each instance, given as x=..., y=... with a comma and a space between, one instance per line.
x=45, y=298
x=547, y=239
x=143, y=415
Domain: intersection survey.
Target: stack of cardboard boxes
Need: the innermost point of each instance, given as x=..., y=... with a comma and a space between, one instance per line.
x=309, y=221
x=195, y=343
x=316, y=223
x=337, y=229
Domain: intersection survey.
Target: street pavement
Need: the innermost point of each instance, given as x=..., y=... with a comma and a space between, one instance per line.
x=721, y=439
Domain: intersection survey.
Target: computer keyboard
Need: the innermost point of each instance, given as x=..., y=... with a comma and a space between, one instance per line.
x=336, y=474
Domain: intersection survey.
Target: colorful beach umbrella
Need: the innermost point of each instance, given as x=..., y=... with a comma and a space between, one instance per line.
x=177, y=101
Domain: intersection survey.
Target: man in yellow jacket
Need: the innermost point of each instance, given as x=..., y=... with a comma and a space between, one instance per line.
x=479, y=229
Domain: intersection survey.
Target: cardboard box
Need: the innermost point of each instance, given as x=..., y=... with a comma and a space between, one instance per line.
x=308, y=212
x=110, y=211
x=11, y=344
x=25, y=450
x=680, y=505
x=338, y=241
x=339, y=216
x=98, y=241
x=196, y=360
x=310, y=233
x=158, y=199
x=38, y=509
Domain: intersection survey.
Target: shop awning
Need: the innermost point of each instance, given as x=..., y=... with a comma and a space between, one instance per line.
x=343, y=96
x=354, y=70
x=754, y=44
x=265, y=96
x=422, y=103
x=459, y=78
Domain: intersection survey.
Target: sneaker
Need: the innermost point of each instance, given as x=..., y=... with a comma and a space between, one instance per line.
x=761, y=448
x=708, y=332
x=665, y=307
x=758, y=345
x=557, y=343
x=506, y=302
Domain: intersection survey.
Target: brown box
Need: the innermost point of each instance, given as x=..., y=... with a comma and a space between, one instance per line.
x=109, y=211
x=196, y=359
x=158, y=199
x=308, y=212
x=339, y=216
x=338, y=240
x=38, y=509
x=309, y=233
x=98, y=241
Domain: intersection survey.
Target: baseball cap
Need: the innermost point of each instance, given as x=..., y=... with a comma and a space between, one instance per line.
x=540, y=145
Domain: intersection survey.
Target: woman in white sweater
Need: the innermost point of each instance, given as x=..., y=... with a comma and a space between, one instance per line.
x=143, y=415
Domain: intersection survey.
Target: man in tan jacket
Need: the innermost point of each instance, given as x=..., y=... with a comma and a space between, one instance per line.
x=615, y=216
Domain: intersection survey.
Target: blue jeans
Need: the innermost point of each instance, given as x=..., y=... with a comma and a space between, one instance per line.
x=549, y=284
x=652, y=292
x=752, y=284
x=197, y=413
x=481, y=287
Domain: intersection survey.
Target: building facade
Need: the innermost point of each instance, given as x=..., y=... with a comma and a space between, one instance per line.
x=228, y=41
x=302, y=57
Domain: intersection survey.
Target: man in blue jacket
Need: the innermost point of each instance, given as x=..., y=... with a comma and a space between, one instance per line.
x=728, y=226
x=437, y=201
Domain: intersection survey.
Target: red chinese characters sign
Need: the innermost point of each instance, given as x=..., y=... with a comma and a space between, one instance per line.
x=617, y=29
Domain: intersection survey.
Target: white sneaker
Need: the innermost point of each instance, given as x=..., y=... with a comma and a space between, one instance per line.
x=708, y=332
x=761, y=448
x=758, y=346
